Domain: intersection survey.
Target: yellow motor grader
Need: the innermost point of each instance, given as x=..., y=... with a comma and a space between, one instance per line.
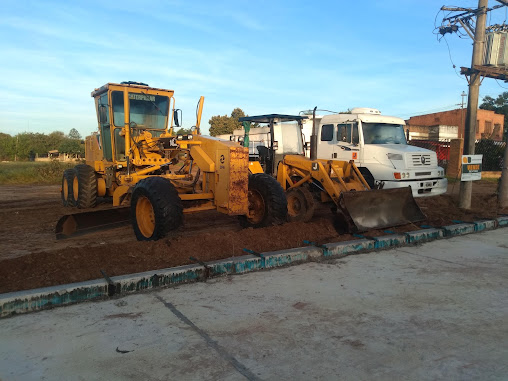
x=153, y=175
x=278, y=150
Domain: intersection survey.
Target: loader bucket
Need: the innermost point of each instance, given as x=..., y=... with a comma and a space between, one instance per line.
x=379, y=208
x=86, y=222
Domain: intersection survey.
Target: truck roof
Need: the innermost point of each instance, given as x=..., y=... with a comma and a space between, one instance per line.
x=269, y=117
x=368, y=118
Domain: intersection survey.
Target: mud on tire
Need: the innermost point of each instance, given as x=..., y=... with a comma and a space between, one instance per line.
x=267, y=202
x=84, y=186
x=156, y=208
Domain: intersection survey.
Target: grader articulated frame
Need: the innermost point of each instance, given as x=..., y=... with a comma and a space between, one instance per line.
x=153, y=175
x=332, y=181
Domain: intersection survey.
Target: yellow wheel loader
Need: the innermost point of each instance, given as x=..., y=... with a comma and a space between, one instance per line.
x=154, y=176
x=279, y=151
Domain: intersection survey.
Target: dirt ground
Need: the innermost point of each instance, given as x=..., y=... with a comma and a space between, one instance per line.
x=31, y=257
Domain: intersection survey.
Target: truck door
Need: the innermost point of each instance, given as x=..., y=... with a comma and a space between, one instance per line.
x=326, y=141
x=347, y=147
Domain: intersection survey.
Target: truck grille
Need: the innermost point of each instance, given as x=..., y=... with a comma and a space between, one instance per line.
x=418, y=160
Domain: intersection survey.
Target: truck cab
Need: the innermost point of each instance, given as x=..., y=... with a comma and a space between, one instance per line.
x=378, y=146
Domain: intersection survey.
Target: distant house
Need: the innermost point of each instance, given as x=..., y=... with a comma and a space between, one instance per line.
x=56, y=155
x=451, y=124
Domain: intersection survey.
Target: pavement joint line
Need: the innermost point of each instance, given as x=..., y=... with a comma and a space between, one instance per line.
x=436, y=259
x=242, y=369
x=26, y=301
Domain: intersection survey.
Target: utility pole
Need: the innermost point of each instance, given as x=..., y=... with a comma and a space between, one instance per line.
x=466, y=187
x=451, y=24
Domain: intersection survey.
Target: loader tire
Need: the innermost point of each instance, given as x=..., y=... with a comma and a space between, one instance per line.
x=66, y=191
x=267, y=202
x=156, y=208
x=84, y=186
x=300, y=204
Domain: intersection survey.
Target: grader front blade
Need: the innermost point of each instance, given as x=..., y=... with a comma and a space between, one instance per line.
x=86, y=222
x=379, y=208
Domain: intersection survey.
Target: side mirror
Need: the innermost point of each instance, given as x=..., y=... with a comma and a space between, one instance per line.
x=103, y=114
x=175, y=117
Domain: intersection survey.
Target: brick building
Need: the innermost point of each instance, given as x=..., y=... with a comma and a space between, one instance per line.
x=489, y=125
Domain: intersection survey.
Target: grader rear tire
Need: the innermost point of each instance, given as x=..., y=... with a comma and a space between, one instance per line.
x=66, y=192
x=156, y=208
x=300, y=204
x=267, y=202
x=84, y=186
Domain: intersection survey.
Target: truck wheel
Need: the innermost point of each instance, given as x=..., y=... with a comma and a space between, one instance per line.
x=368, y=177
x=84, y=186
x=66, y=191
x=300, y=204
x=267, y=202
x=156, y=208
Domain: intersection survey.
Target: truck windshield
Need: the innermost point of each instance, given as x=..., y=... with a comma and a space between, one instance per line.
x=383, y=133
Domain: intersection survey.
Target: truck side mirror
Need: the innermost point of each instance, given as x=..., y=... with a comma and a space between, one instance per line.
x=103, y=114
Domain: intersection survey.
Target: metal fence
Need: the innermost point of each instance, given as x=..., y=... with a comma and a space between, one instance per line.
x=491, y=150
x=441, y=148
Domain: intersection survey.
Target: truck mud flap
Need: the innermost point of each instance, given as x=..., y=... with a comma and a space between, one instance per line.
x=86, y=222
x=378, y=209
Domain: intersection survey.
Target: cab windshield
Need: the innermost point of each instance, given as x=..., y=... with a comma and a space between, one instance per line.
x=148, y=111
x=383, y=133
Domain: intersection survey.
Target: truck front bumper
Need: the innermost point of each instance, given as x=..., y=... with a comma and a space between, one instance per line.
x=421, y=188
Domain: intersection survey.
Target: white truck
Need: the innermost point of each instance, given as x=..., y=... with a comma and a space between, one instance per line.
x=378, y=146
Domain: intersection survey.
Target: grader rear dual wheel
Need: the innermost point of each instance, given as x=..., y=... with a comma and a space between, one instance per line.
x=66, y=190
x=79, y=187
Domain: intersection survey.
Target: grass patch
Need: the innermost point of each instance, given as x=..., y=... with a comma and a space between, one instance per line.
x=19, y=172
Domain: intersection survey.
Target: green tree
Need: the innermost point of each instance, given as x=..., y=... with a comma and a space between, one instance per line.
x=7, y=146
x=71, y=146
x=74, y=134
x=223, y=124
x=54, y=140
x=498, y=105
x=184, y=131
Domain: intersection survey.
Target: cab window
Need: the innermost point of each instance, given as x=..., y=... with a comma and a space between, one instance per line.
x=327, y=132
x=105, y=129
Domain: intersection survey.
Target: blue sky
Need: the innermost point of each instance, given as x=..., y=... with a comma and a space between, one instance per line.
x=261, y=56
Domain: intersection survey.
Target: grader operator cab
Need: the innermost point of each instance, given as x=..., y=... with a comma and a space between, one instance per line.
x=154, y=176
x=331, y=181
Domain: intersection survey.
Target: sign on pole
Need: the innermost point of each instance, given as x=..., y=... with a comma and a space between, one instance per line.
x=471, y=167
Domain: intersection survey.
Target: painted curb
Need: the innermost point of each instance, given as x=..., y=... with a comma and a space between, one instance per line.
x=61, y=295
x=502, y=221
x=424, y=235
x=484, y=225
x=459, y=229
x=389, y=241
x=348, y=247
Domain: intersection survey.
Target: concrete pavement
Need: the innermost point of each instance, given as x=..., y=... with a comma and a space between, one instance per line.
x=433, y=311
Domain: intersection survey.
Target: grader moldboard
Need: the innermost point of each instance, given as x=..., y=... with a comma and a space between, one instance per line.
x=337, y=182
x=154, y=176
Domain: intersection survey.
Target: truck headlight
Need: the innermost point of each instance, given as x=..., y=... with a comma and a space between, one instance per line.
x=394, y=156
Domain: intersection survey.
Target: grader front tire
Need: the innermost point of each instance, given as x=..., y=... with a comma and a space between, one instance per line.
x=156, y=208
x=267, y=202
